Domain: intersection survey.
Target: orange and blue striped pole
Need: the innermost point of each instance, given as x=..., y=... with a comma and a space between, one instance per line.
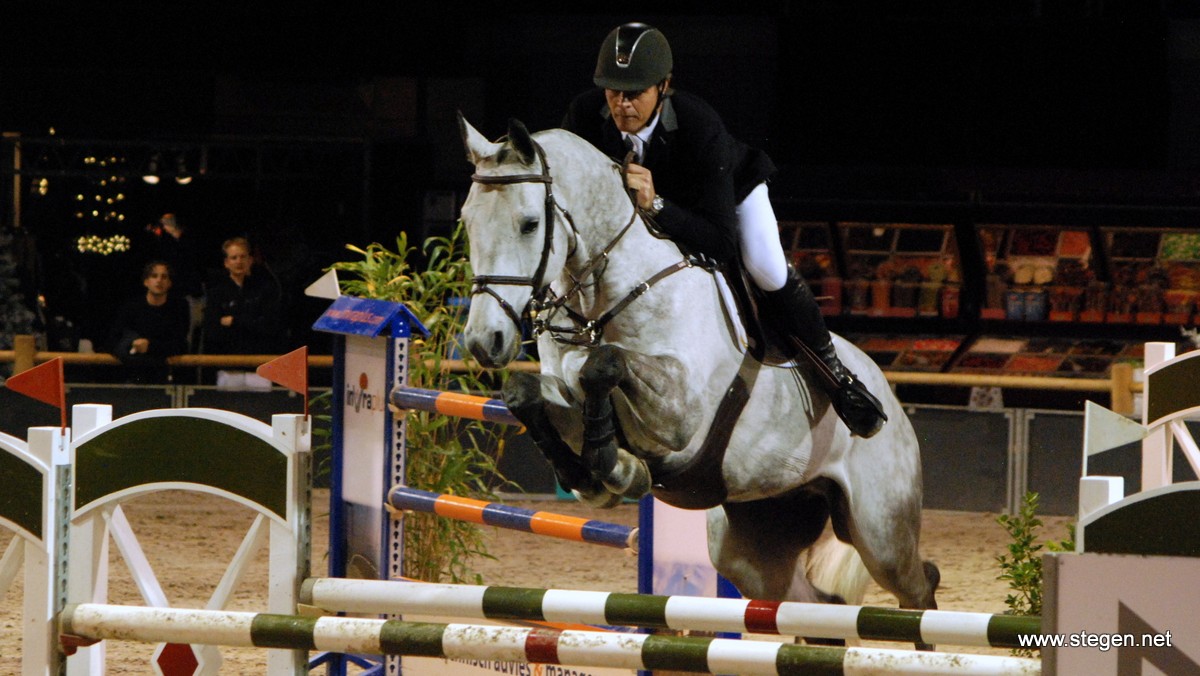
x=514, y=518
x=456, y=404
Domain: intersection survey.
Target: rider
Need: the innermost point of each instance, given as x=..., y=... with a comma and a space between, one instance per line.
x=706, y=190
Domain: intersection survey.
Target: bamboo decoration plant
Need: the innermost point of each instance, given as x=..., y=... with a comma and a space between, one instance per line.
x=445, y=455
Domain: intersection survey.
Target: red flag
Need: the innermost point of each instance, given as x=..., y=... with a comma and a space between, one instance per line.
x=44, y=383
x=290, y=371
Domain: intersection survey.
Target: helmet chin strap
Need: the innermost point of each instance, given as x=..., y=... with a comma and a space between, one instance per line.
x=662, y=89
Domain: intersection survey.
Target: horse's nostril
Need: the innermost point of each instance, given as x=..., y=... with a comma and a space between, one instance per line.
x=497, y=342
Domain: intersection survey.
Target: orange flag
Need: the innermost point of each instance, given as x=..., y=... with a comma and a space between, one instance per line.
x=290, y=371
x=44, y=383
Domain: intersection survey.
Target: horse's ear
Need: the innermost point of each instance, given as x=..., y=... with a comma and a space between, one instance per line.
x=521, y=140
x=478, y=147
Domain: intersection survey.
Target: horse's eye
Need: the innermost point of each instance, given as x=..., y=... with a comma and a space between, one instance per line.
x=529, y=226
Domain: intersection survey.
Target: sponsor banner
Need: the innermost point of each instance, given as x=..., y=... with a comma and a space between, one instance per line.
x=364, y=420
x=1119, y=614
x=681, y=563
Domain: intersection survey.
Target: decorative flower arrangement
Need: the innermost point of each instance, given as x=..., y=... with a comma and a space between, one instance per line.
x=102, y=245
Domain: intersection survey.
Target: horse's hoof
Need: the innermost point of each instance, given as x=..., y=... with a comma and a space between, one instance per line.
x=934, y=577
x=601, y=499
x=630, y=478
x=521, y=392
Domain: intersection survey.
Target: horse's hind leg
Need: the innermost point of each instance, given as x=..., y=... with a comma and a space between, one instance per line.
x=621, y=472
x=887, y=540
x=758, y=545
x=522, y=395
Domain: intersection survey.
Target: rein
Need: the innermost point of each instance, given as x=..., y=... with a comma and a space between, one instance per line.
x=588, y=332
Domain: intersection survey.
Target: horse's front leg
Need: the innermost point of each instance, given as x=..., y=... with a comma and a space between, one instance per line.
x=523, y=396
x=620, y=471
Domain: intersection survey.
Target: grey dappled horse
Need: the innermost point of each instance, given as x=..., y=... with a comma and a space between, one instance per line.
x=645, y=383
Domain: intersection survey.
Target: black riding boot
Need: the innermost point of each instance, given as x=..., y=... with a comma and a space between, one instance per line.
x=794, y=312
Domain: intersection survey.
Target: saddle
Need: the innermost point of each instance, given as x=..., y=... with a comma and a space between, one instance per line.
x=763, y=342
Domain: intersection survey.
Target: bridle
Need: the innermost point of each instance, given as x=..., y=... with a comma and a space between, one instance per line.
x=585, y=332
x=481, y=283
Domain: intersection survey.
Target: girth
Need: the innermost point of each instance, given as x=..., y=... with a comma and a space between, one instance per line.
x=700, y=483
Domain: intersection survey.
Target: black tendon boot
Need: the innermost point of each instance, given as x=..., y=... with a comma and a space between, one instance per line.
x=794, y=312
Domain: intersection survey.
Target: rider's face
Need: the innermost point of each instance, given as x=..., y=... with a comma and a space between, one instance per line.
x=632, y=110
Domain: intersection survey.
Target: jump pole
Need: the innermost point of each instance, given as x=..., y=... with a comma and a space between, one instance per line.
x=679, y=613
x=516, y=644
x=577, y=529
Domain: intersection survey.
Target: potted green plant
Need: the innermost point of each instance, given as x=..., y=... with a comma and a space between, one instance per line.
x=445, y=455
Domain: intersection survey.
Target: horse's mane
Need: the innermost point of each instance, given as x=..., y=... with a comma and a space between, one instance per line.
x=578, y=152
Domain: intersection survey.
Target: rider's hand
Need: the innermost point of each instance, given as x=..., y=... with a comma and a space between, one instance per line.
x=639, y=179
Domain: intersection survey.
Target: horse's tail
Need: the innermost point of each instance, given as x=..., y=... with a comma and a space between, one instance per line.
x=835, y=567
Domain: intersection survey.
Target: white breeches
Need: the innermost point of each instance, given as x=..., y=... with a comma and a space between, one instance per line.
x=758, y=237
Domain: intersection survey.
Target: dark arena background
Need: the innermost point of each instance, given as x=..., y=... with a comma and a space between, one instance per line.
x=310, y=125
x=997, y=200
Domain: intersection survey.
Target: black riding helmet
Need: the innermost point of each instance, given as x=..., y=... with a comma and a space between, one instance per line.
x=633, y=57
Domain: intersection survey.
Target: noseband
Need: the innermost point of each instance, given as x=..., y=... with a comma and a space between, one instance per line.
x=481, y=283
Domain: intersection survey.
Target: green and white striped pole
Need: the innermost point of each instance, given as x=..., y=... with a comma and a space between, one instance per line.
x=670, y=612
x=515, y=644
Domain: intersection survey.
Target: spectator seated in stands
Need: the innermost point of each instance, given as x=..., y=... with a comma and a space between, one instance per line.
x=242, y=310
x=150, y=328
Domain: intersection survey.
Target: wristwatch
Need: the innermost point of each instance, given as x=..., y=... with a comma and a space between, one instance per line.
x=656, y=205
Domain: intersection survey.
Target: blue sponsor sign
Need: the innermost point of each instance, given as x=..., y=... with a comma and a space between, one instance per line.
x=369, y=317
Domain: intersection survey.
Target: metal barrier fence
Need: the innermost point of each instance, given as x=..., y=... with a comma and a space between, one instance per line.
x=1120, y=385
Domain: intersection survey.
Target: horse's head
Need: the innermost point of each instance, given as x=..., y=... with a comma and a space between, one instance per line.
x=510, y=220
